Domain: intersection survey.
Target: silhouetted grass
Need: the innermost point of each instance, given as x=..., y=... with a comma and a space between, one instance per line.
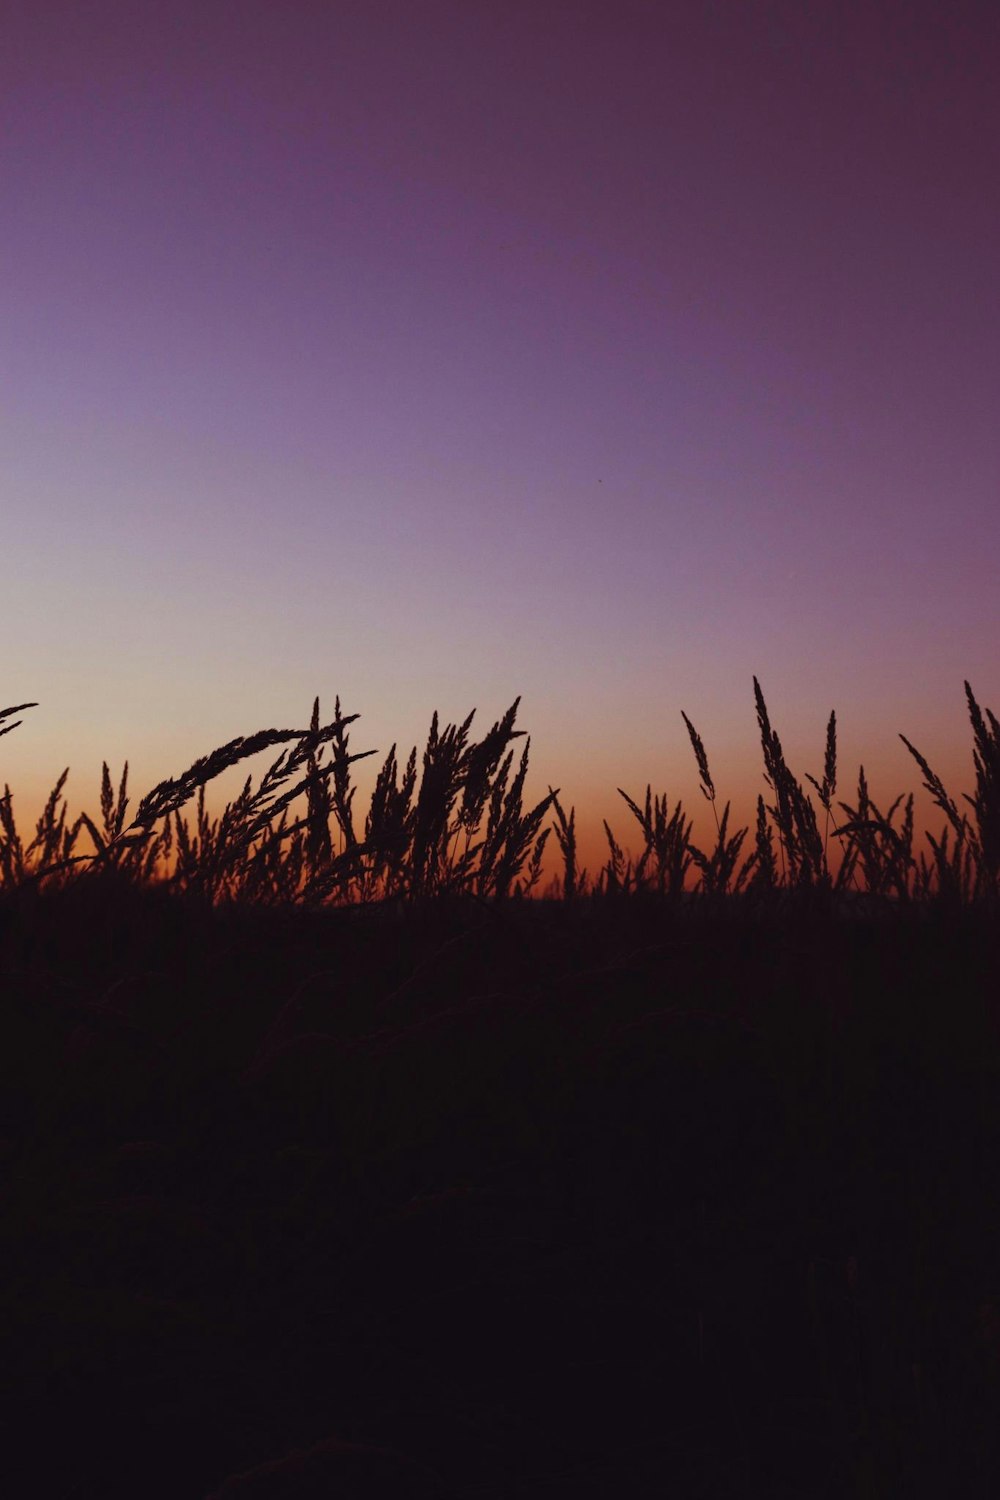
x=457, y=825
x=333, y=1166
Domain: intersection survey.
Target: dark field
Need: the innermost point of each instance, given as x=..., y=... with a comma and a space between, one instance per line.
x=336, y=1166
x=527, y=1199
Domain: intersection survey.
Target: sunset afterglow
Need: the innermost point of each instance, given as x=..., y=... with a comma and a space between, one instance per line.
x=432, y=355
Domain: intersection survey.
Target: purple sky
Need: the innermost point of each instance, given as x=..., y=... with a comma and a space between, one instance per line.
x=433, y=353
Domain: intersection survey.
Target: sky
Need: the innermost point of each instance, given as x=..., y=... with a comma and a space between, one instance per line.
x=429, y=354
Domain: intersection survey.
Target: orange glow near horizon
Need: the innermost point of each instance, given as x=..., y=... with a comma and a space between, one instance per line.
x=585, y=784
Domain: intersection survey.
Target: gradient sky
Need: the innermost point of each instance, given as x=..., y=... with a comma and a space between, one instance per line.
x=432, y=353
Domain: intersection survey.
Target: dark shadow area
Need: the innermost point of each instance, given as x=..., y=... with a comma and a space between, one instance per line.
x=473, y=1200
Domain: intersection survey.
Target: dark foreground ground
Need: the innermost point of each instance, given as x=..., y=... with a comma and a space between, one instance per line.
x=536, y=1202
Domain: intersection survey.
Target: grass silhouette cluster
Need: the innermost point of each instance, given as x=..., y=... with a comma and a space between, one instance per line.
x=457, y=825
x=332, y=1180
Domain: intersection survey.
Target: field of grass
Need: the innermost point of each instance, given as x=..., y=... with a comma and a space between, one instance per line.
x=334, y=1167
x=458, y=825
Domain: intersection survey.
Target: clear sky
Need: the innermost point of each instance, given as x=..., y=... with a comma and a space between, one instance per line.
x=432, y=353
